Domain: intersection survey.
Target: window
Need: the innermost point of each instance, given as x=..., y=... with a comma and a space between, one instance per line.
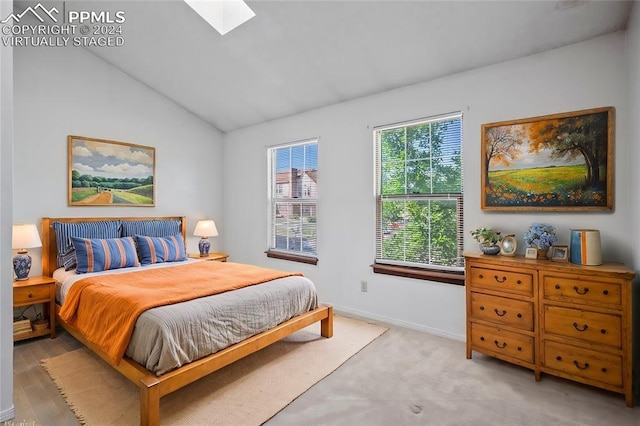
x=293, y=198
x=419, y=218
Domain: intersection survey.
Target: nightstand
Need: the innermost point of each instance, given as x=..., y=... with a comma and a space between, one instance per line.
x=35, y=290
x=220, y=257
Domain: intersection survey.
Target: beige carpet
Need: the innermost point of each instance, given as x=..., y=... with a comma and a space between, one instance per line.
x=248, y=392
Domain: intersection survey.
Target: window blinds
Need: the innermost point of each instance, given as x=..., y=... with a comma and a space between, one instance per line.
x=294, y=198
x=419, y=202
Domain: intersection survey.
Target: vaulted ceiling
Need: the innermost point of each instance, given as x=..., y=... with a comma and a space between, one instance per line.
x=295, y=56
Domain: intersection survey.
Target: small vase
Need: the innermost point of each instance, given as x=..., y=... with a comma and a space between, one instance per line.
x=542, y=254
x=493, y=250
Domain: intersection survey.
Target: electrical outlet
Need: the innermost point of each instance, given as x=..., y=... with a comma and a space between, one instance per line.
x=363, y=286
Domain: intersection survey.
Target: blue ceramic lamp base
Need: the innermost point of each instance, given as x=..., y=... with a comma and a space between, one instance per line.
x=204, y=245
x=22, y=265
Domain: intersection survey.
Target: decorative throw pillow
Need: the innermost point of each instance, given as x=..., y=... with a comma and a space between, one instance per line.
x=69, y=259
x=161, y=249
x=64, y=232
x=151, y=228
x=95, y=255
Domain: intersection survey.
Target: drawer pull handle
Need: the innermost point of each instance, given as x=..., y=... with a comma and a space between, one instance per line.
x=482, y=338
x=481, y=276
x=495, y=277
x=603, y=331
x=557, y=286
x=604, y=370
x=482, y=308
x=504, y=345
x=575, y=325
x=519, y=315
x=30, y=296
x=500, y=314
x=577, y=364
x=605, y=292
x=520, y=348
x=558, y=358
x=583, y=292
x=518, y=282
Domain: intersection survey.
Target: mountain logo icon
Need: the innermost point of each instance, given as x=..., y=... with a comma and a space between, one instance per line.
x=34, y=11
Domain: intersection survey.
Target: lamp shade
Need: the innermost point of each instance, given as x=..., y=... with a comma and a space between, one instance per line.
x=205, y=228
x=25, y=236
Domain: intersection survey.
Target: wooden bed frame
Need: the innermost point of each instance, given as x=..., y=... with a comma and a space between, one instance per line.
x=153, y=387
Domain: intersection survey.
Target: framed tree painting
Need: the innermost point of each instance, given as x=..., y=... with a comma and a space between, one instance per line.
x=108, y=173
x=554, y=162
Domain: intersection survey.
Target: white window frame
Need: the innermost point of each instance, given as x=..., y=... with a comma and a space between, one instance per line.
x=274, y=194
x=411, y=269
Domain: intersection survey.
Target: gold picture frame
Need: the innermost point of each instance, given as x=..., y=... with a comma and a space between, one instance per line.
x=109, y=173
x=508, y=245
x=559, y=162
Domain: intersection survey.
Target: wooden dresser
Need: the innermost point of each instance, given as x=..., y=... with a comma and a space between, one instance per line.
x=568, y=320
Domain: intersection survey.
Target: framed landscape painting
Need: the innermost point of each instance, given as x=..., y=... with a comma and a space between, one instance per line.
x=108, y=173
x=554, y=162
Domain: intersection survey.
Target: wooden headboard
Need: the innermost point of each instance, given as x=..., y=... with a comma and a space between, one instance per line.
x=50, y=249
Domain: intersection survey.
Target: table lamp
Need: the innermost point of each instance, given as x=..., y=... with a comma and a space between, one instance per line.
x=204, y=230
x=24, y=236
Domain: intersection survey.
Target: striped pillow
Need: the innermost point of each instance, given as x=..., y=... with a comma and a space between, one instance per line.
x=69, y=259
x=95, y=255
x=64, y=232
x=151, y=228
x=161, y=249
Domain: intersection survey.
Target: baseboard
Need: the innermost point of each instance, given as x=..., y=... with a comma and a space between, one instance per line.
x=400, y=323
x=9, y=414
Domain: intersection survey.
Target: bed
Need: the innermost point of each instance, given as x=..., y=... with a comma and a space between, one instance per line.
x=156, y=376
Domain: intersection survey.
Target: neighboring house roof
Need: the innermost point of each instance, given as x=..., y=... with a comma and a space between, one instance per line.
x=284, y=177
x=313, y=175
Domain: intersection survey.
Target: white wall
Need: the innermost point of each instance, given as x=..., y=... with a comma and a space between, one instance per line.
x=633, y=75
x=69, y=91
x=6, y=188
x=586, y=75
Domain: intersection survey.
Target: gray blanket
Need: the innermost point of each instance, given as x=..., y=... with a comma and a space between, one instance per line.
x=168, y=337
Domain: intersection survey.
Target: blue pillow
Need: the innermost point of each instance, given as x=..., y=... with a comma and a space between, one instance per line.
x=64, y=232
x=151, y=228
x=95, y=255
x=161, y=249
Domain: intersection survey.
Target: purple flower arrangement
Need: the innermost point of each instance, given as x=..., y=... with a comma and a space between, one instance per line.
x=540, y=235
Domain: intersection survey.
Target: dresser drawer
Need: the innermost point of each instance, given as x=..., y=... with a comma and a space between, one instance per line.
x=593, y=327
x=30, y=294
x=503, y=342
x=507, y=281
x=578, y=290
x=606, y=368
x=503, y=310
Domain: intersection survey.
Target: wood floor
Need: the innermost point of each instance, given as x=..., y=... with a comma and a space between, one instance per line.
x=36, y=399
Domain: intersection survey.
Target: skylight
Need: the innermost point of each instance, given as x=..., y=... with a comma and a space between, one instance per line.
x=223, y=15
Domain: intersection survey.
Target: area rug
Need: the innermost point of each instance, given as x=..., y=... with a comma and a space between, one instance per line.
x=247, y=392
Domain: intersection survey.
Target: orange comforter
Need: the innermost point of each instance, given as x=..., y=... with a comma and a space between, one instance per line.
x=105, y=308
